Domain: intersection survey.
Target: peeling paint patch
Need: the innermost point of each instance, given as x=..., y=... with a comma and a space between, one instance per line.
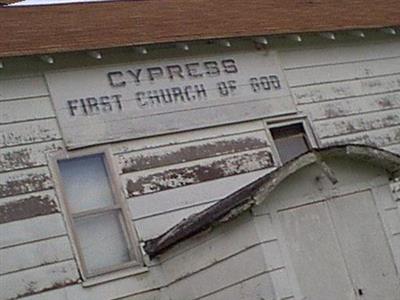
x=378, y=139
x=178, y=177
x=27, y=208
x=334, y=91
x=26, y=157
x=189, y=153
x=358, y=124
x=29, y=133
x=26, y=183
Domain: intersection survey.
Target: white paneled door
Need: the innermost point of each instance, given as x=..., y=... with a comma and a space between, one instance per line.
x=339, y=250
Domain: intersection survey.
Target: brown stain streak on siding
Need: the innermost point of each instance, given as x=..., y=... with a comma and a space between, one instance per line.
x=25, y=184
x=180, y=177
x=27, y=208
x=189, y=153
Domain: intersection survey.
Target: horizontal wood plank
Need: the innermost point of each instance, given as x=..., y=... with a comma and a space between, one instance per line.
x=217, y=248
x=378, y=138
x=29, y=133
x=26, y=231
x=241, y=266
x=153, y=226
x=186, y=137
x=35, y=254
x=25, y=110
x=360, y=123
x=28, y=206
x=308, y=57
x=195, y=173
x=22, y=88
x=343, y=71
x=352, y=106
x=185, y=197
x=250, y=288
x=393, y=148
x=25, y=181
x=23, y=157
x=191, y=151
x=45, y=278
x=348, y=89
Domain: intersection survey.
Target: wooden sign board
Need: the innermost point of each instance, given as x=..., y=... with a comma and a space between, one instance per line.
x=119, y=102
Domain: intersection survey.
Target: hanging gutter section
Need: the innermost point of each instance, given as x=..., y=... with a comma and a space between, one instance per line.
x=30, y=30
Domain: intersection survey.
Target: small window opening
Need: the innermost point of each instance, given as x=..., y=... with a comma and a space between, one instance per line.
x=290, y=141
x=98, y=220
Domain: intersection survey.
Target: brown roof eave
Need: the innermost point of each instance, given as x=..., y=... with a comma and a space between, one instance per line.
x=76, y=27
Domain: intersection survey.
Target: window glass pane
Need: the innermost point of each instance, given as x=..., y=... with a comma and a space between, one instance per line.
x=102, y=241
x=85, y=183
x=291, y=147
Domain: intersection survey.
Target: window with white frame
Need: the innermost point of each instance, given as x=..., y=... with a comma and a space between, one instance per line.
x=291, y=139
x=96, y=214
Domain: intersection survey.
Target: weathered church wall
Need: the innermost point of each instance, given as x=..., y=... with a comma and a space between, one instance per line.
x=349, y=91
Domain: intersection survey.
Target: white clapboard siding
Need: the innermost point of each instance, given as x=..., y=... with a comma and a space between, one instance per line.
x=24, y=181
x=343, y=71
x=188, y=136
x=22, y=88
x=39, y=279
x=30, y=230
x=352, y=106
x=258, y=287
x=152, y=227
x=163, y=156
x=207, y=192
x=346, y=89
x=359, y=51
x=155, y=180
x=127, y=286
x=231, y=271
x=220, y=245
x=29, y=132
x=22, y=157
x=135, y=287
x=393, y=148
x=26, y=110
x=380, y=138
x=156, y=294
x=37, y=254
x=353, y=124
x=351, y=92
x=16, y=208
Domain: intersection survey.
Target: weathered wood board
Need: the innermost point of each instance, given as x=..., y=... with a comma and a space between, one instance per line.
x=27, y=206
x=99, y=105
x=30, y=230
x=22, y=88
x=35, y=254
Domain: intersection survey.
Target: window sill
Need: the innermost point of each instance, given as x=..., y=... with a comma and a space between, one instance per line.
x=114, y=276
